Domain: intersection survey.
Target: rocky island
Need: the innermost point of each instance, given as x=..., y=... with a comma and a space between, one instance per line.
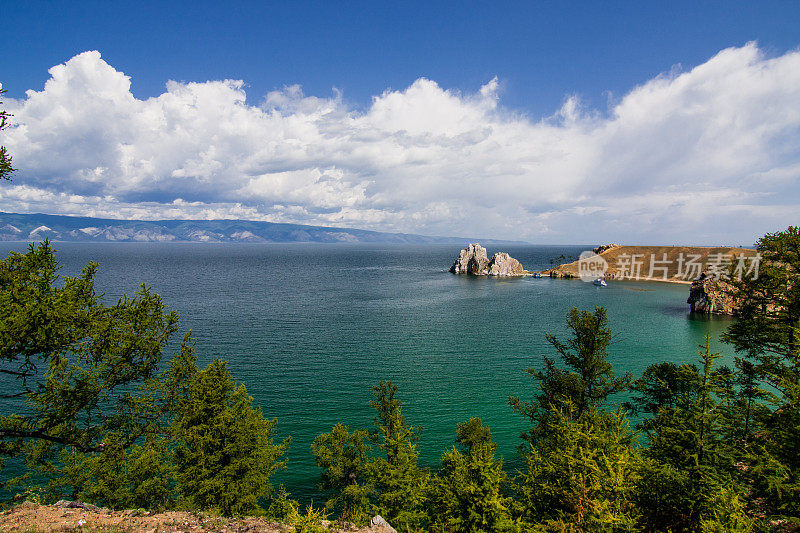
x=473, y=261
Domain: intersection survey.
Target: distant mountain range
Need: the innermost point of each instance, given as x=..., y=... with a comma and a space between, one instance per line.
x=37, y=227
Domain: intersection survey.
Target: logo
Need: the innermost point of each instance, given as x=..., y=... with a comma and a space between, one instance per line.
x=591, y=266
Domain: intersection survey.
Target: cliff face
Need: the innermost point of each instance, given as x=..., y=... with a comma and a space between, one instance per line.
x=474, y=261
x=471, y=260
x=707, y=295
x=503, y=264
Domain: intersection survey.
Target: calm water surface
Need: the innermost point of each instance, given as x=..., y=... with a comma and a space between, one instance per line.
x=309, y=328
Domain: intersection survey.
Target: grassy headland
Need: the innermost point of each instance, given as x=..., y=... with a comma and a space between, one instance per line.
x=675, y=264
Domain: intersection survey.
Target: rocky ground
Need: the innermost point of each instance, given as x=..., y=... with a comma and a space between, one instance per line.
x=73, y=516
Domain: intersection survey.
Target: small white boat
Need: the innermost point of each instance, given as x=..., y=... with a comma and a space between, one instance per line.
x=600, y=282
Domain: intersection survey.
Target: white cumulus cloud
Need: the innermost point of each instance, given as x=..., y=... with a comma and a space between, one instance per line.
x=705, y=155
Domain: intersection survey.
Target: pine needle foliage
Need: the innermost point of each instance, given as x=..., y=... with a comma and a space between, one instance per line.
x=5, y=158
x=375, y=472
x=400, y=483
x=581, y=475
x=689, y=460
x=81, y=378
x=344, y=459
x=468, y=490
x=140, y=477
x=585, y=381
x=769, y=305
x=224, y=453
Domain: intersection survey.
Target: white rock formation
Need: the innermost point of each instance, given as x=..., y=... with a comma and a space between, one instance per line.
x=503, y=264
x=473, y=260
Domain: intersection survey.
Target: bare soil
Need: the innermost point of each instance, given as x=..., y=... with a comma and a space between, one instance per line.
x=33, y=518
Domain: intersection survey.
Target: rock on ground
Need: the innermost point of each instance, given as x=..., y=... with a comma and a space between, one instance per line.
x=379, y=522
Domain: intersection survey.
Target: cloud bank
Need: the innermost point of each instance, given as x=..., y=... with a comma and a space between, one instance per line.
x=706, y=155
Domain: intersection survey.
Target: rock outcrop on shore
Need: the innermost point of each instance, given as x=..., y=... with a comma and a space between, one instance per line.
x=604, y=248
x=560, y=274
x=707, y=295
x=474, y=261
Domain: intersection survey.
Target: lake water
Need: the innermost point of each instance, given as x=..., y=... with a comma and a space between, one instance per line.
x=310, y=328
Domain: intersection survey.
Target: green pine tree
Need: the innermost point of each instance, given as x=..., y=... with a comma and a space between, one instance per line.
x=344, y=459
x=225, y=453
x=689, y=459
x=140, y=477
x=467, y=491
x=582, y=464
x=581, y=474
x=82, y=378
x=662, y=386
x=769, y=305
x=5, y=158
x=400, y=483
x=282, y=507
x=773, y=468
x=586, y=383
x=766, y=332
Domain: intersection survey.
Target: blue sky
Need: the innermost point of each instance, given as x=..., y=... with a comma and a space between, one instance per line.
x=468, y=86
x=541, y=51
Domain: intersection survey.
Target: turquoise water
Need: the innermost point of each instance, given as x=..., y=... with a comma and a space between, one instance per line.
x=310, y=328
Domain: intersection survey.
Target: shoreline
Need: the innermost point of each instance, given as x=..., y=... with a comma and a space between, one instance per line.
x=546, y=274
